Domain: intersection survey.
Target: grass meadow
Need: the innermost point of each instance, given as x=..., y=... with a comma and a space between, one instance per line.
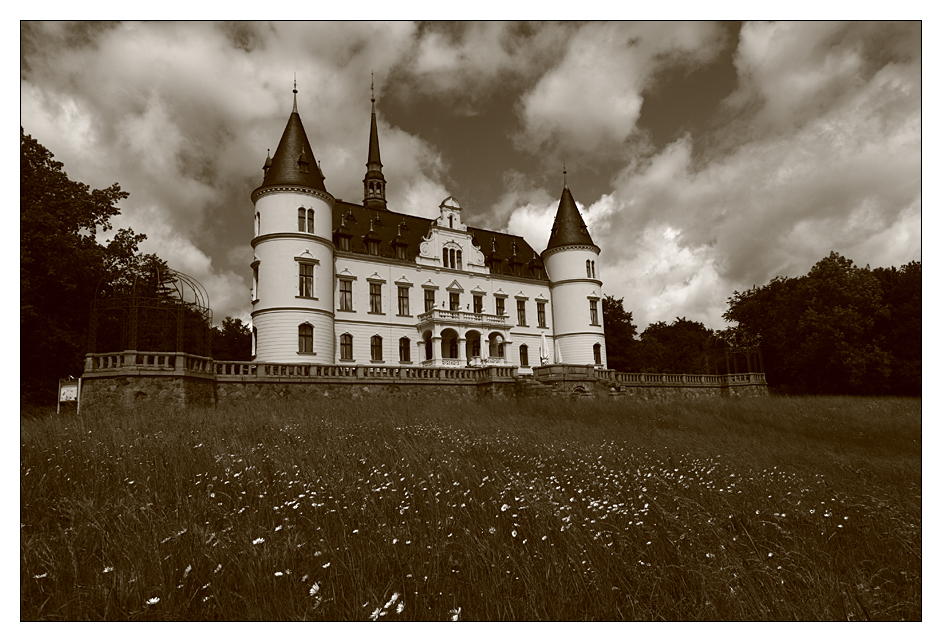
x=779, y=508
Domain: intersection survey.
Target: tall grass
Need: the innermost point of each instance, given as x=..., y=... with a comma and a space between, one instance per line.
x=720, y=509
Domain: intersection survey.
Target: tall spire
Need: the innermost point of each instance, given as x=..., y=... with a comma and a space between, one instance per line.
x=568, y=228
x=374, y=183
x=294, y=162
x=294, y=109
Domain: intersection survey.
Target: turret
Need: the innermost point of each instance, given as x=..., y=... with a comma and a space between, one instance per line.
x=570, y=260
x=293, y=294
x=374, y=183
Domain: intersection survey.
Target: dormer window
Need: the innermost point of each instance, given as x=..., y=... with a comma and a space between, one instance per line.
x=345, y=243
x=401, y=252
x=373, y=246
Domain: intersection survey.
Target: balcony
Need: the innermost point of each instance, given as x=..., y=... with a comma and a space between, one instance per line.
x=465, y=318
x=473, y=362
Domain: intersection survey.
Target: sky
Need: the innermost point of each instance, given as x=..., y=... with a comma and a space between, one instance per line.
x=706, y=158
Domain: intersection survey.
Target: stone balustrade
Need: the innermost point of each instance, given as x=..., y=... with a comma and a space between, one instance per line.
x=470, y=318
x=174, y=377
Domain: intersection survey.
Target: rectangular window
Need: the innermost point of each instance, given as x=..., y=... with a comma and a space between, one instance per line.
x=454, y=301
x=499, y=302
x=346, y=296
x=429, y=300
x=524, y=357
x=346, y=347
x=594, y=312
x=255, y=282
x=306, y=338
x=478, y=304
x=376, y=298
x=405, y=352
x=541, y=314
x=521, y=312
x=305, y=280
x=403, y=301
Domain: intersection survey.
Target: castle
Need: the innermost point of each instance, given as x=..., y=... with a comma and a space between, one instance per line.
x=336, y=282
x=354, y=300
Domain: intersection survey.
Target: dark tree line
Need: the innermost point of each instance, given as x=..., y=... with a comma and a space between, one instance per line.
x=680, y=347
x=840, y=329
x=62, y=266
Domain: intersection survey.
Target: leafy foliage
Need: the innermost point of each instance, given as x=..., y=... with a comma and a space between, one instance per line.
x=619, y=333
x=840, y=329
x=61, y=265
x=233, y=341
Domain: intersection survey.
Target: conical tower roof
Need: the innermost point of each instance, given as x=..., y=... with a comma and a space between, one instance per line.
x=374, y=183
x=294, y=162
x=568, y=228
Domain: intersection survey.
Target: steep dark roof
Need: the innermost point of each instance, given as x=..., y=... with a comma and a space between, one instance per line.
x=373, y=158
x=568, y=228
x=386, y=227
x=293, y=155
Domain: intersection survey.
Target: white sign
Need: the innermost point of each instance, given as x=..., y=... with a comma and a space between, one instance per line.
x=68, y=391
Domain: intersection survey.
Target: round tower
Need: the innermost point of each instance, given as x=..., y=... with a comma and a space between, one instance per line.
x=570, y=260
x=293, y=267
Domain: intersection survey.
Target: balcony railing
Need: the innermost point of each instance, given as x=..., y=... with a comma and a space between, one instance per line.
x=473, y=318
x=133, y=363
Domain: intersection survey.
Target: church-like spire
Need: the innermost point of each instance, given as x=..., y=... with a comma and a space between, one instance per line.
x=294, y=162
x=568, y=228
x=374, y=183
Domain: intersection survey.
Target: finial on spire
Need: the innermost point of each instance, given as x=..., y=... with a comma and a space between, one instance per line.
x=294, y=108
x=372, y=95
x=565, y=185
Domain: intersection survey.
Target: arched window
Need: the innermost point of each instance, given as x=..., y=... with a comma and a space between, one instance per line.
x=597, y=352
x=254, y=341
x=524, y=357
x=459, y=260
x=405, y=353
x=310, y=221
x=306, y=338
x=376, y=348
x=588, y=269
x=301, y=219
x=444, y=257
x=593, y=269
x=428, y=349
x=258, y=223
x=346, y=347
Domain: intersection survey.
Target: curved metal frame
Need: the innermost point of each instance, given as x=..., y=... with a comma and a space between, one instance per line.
x=176, y=318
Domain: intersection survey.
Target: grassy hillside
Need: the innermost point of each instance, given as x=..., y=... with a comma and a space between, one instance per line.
x=720, y=509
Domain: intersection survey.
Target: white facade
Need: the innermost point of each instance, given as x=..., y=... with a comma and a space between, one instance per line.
x=335, y=282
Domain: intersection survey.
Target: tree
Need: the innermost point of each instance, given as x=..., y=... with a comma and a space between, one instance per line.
x=619, y=334
x=232, y=342
x=840, y=329
x=678, y=348
x=61, y=265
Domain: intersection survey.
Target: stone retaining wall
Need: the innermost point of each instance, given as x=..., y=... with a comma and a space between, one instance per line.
x=174, y=379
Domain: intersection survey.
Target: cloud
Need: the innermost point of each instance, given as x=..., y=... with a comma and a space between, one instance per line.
x=824, y=172
x=181, y=115
x=465, y=63
x=590, y=102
